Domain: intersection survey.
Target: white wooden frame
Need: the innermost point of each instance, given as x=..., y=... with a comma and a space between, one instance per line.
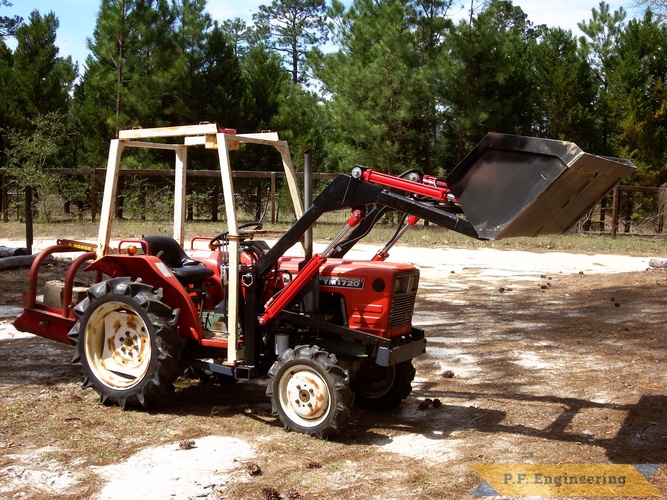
x=209, y=136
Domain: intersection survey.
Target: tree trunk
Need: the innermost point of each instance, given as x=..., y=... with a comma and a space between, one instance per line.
x=12, y=252
x=20, y=261
x=662, y=208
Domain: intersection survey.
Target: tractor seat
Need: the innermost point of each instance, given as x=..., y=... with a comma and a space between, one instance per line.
x=188, y=271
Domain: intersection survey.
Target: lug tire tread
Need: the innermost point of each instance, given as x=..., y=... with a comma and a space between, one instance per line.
x=157, y=383
x=342, y=394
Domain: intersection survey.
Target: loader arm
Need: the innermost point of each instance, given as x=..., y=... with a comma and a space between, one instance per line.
x=350, y=192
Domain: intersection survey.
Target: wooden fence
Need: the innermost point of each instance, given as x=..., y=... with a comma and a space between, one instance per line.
x=99, y=173
x=619, y=192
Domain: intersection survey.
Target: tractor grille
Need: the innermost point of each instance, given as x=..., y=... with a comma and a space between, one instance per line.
x=403, y=301
x=401, y=310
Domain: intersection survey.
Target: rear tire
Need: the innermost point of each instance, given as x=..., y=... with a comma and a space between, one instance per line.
x=383, y=387
x=310, y=392
x=126, y=343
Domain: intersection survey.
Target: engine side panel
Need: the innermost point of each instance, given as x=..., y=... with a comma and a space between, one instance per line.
x=378, y=297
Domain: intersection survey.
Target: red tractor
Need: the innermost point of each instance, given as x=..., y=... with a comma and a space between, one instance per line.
x=328, y=331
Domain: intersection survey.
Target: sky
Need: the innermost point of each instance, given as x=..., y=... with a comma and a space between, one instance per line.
x=77, y=17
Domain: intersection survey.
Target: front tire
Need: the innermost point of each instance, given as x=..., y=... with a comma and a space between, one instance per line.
x=310, y=392
x=126, y=343
x=383, y=387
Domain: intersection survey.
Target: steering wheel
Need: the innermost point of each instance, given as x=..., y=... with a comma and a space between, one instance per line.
x=223, y=238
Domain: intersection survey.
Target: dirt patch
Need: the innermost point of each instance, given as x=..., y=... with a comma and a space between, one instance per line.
x=544, y=365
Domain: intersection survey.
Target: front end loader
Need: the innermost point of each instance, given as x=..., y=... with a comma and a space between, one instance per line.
x=327, y=331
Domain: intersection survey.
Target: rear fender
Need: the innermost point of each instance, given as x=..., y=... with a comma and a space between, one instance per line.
x=154, y=272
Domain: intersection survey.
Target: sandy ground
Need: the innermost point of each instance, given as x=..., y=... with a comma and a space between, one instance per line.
x=534, y=357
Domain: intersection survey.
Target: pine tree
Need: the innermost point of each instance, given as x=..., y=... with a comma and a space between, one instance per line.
x=8, y=25
x=431, y=25
x=104, y=89
x=599, y=46
x=8, y=111
x=219, y=87
x=371, y=83
x=489, y=86
x=238, y=33
x=151, y=87
x=193, y=25
x=43, y=79
x=130, y=78
x=264, y=83
x=7, y=87
x=292, y=27
x=565, y=89
x=301, y=123
x=639, y=89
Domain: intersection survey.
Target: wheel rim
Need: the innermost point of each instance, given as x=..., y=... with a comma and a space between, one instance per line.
x=117, y=345
x=304, y=396
x=376, y=381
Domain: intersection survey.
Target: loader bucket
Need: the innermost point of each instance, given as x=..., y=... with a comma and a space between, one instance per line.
x=524, y=186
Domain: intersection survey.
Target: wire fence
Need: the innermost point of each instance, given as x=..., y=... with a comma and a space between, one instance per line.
x=628, y=210
x=148, y=195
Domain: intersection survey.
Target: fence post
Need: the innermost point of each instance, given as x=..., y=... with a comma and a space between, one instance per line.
x=662, y=208
x=614, y=213
x=93, y=196
x=28, y=219
x=5, y=201
x=273, y=197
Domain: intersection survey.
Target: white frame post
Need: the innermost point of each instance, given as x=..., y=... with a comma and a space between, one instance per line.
x=180, y=201
x=234, y=283
x=109, y=200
